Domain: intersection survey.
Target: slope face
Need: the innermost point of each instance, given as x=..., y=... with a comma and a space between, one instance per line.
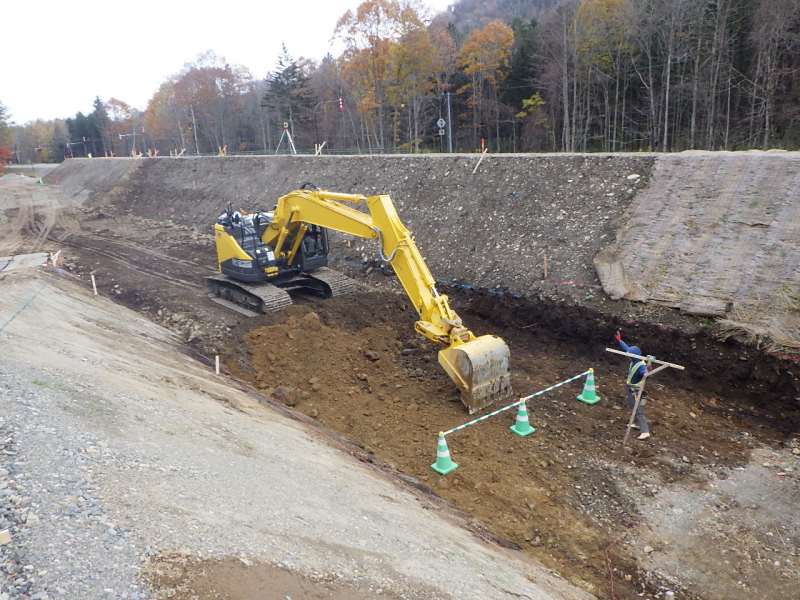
x=721, y=229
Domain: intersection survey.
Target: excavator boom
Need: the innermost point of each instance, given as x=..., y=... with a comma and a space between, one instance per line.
x=479, y=366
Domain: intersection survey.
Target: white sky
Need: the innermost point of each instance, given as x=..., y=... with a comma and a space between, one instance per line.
x=58, y=55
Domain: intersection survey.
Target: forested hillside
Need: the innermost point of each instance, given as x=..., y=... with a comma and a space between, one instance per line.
x=466, y=15
x=506, y=75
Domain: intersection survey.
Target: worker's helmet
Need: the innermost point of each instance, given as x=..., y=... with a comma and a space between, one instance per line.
x=635, y=350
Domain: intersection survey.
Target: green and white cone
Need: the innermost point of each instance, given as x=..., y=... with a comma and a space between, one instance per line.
x=589, y=395
x=522, y=427
x=443, y=464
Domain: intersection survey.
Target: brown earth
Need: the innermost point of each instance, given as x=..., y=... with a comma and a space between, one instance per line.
x=615, y=520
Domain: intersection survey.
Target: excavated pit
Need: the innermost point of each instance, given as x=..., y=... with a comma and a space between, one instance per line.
x=613, y=520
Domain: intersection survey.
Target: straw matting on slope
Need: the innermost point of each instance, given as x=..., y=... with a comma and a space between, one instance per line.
x=720, y=231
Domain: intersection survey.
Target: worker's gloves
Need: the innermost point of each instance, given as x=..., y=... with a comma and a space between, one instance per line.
x=618, y=337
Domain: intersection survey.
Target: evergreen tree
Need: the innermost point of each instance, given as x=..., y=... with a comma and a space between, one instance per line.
x=289, y=94
x=80, y=134
x=6, y=137
x=98, y=122
x=523, y=67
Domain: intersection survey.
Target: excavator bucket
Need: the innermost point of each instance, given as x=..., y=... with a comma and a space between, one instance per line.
x=480, y=369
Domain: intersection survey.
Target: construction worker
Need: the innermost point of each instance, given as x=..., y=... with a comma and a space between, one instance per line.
x=633, y=384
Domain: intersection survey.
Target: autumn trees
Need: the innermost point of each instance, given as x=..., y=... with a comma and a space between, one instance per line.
x=389, y=64
x=484, y=59
x=585, y=75
x=684, y=74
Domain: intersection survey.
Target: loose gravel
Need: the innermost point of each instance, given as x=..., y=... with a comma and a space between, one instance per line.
x=82, y=553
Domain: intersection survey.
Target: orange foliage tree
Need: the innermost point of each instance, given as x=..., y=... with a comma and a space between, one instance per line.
x=201, y=107
x=484, y=59
x=5, y=157
x=413, y=59
x=389, y=63
x=367, y=35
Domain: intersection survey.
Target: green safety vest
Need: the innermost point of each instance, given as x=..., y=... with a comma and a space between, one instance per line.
x=635, y=367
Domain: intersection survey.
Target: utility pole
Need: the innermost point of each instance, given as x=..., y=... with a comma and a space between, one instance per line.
x=194, y=129
x=449, y=127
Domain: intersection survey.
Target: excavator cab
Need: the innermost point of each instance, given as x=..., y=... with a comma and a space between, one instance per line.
x=313, y=251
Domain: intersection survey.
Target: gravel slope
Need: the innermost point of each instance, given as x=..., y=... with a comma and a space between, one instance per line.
x=118, y=447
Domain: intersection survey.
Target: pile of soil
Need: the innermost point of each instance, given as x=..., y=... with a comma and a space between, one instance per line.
x=562, y=494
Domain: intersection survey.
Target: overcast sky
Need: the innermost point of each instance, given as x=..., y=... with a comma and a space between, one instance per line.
x=58, y=55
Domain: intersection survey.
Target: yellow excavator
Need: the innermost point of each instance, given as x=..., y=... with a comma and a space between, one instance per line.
x=261, y=255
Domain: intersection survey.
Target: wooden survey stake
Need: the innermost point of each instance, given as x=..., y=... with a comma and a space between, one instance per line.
x=649, y=360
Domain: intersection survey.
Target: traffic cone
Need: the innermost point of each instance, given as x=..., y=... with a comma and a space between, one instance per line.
x=589, y=396
x=522, y=427
x=443, y=464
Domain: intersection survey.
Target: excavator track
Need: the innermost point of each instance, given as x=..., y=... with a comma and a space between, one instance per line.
x=339, y=283
x=245, y=298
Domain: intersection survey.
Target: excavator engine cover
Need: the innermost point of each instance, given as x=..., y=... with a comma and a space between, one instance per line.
x=480, y=369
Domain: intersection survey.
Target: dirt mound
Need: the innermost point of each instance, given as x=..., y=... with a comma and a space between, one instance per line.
x=82, y=180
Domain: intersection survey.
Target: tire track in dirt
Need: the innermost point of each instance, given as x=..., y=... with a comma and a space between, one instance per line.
x=128, y=261
x=38, y=211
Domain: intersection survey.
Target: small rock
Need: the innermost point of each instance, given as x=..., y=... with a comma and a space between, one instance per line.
x=408, y=351
x=633, y=177
x=5, y=537
x=287, y=396
x=313, y=413
x=684, y=459
x=693, y=415
x=32, y=519
x=795, y=450
x=311, y=320
x=373, y=356
x=648, y=549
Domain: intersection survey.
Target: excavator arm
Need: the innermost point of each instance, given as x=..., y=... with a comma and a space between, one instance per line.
x=479, y=366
